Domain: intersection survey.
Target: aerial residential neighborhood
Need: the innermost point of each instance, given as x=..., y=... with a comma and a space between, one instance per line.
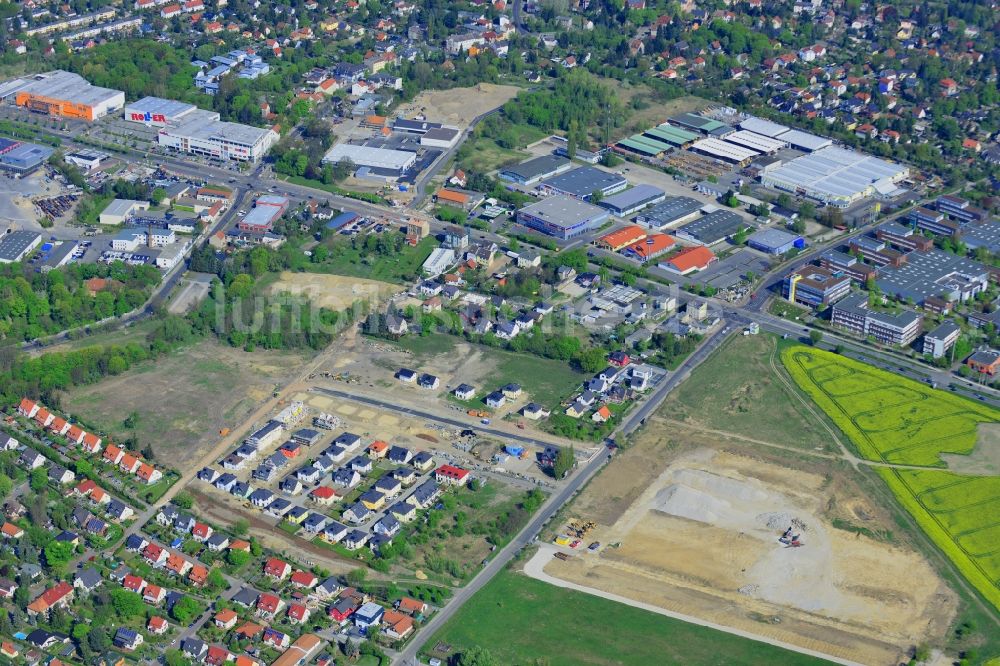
x=461, y=333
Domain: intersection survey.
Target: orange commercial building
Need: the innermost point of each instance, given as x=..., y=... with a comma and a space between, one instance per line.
x=621, y=238
x=652, y=247
x=690, y=259
x=67, y=95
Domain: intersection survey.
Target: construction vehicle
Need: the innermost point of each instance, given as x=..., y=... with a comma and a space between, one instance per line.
x=561, y=555
x=563, y=540
x=224, y=432
x=790, y=539
x=478, y=413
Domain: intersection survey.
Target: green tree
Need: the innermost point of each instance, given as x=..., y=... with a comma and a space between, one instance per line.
x=6, y=485
x=39, y=479
x=596, y=197
x=477, y=656
x=184, y=500
x=126, y=604
x=185, y=610
x=592, y=360
x=237, y=558
x=356, y=577
x=174, y=657
x=58, y=554
x=564, y=462
x=241, y=527
x=815, y=337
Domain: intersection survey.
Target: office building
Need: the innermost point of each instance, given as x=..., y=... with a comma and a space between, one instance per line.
x=815, y=286
x=938, y=341
x=562, y=216
x=892, y=328
x=199, y=133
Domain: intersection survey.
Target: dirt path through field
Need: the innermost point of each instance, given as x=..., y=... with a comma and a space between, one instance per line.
x=699, y=535
x=535, y=568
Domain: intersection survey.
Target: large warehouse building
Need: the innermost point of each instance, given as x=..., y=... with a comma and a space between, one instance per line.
x=158, y=112
x=836, y=176
x=581, y=183
x=531, y=171
x=561, y=216
x=202, y=133
x=63, y=94
x=381, y=161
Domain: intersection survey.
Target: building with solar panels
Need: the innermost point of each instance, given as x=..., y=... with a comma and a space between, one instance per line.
x=22, y=158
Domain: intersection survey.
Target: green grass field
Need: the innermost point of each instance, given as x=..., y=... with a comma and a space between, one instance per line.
x=737, y=387
x=897, y=420
x=397, y=268
x=519, y=619
x=547, y=381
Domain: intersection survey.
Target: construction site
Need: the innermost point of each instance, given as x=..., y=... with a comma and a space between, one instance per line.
x=752, y=543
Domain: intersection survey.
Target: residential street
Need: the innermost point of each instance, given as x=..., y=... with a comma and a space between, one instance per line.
x=529, y=533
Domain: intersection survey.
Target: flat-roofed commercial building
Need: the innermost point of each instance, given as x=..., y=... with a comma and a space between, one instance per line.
x=581, y=183
x=534, y=170
x=835, y=176
x=815, y=286
x=157, y=111
x=199, y=134
x=383, y=161
x=713, y=228
x=934, y=273
x=633, y=200
x=762, y=144
x=671, y=212
x=903, y=237
x=64, y=95
x=561, y=216
x=16, y=245
x=775, y=241
x=22, y=158
x=702, y=125
x=723, y=150
x=847, y=264
x=891, y=328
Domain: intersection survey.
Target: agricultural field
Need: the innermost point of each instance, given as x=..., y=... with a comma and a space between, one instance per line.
x=896, y=420
x=520, y=619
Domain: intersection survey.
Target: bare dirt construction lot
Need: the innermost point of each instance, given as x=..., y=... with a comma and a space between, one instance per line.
x=699, y=535
x=183, y=400
x=335, y=292
x=458, y=106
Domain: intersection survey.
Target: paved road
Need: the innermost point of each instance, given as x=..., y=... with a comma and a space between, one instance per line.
x=429, y=416
x=556, y=501
x=160, y=294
